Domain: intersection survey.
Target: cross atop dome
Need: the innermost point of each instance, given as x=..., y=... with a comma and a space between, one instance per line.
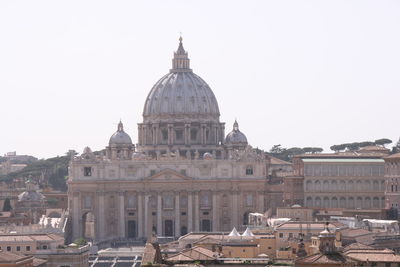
x=181, y=61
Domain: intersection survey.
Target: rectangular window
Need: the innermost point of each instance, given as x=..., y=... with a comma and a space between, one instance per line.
x=280, y=235
x=87, y=171
x=18, y=248
x=8, y=248
x=88, y=202
x=131, y=202
x=28, y=248
x=179, y=135
x=249, y=170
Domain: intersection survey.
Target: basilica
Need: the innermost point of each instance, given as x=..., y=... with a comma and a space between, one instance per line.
x=183, y=175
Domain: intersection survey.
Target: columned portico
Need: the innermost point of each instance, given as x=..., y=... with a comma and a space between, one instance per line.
x=147, y=227
x=215, y=223
x=196, y=212
x=121, y=206
x=140, y=216
x=235, y=216
x=159, y=215
x=190, y=212
x=101, y=219
x=177, y=216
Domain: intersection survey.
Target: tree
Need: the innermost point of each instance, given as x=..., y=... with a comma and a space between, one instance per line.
x=383, y=142
x=353, y=146
x=366, y=143
x=316, y=150
x=7, y=205
x=276, y=149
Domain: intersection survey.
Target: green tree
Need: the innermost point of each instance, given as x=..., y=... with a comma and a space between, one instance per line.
x=383, y=142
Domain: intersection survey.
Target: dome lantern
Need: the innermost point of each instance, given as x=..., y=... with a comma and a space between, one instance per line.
x=181, y=61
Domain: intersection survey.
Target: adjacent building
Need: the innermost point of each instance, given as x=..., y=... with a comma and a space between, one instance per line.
x=347, y=180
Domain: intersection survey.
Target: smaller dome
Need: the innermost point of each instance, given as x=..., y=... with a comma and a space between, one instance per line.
x=31, y=196
x=120, y=137
x=138, y=156
x=236, y=137
x=208, y=156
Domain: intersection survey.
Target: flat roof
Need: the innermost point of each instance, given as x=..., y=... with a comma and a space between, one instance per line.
x=325, y=160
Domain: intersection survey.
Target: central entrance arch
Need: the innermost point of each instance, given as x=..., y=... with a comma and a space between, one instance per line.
x=132, y=233
x=88, y=230
x=168, y=228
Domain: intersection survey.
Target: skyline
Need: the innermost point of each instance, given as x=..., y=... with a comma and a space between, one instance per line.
x=294, y=74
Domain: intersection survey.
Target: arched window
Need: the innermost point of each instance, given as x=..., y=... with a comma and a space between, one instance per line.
x=334, y=202
x=342, y=202
x=318, y=202
x=367, y=203
x=358, y=202
x=309, y=202
x=351, y=203
x=317, y=185
x=308, y=186
x=375, y=202
x=326, y=202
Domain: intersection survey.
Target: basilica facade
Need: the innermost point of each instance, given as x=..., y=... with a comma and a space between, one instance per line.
x=183, y=175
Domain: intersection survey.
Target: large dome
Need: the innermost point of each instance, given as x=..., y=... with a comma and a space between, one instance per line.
x=181, y=94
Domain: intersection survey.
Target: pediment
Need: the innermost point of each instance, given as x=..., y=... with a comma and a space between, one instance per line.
x=168, y=175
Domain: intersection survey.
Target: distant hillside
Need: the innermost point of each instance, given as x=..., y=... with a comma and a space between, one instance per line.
x=52, y=171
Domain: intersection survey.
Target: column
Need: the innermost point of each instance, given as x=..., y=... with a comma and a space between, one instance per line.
x=234, y=209
x=196, y=212
x=170, y=135
x=140, y=216
x=144, y=131
x=156, y=133
x=215, y=225
x=76, y=228
x=190, y=212
x=159, y=217
x=153, y=134
x=177, y=216
x=203, y=133
x=147, y=228
x=260, y=202
x=121, y=225
x=101, y=219
x=187, y=134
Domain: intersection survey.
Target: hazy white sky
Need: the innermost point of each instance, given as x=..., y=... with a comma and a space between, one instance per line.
x=296, y=73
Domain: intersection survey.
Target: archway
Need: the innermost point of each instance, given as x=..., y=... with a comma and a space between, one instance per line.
x=168, y=228
x=206, y=226
x=88, y=229
x=132, y=233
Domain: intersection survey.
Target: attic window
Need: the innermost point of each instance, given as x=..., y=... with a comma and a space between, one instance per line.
x=249, y=170
x=87, y=171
